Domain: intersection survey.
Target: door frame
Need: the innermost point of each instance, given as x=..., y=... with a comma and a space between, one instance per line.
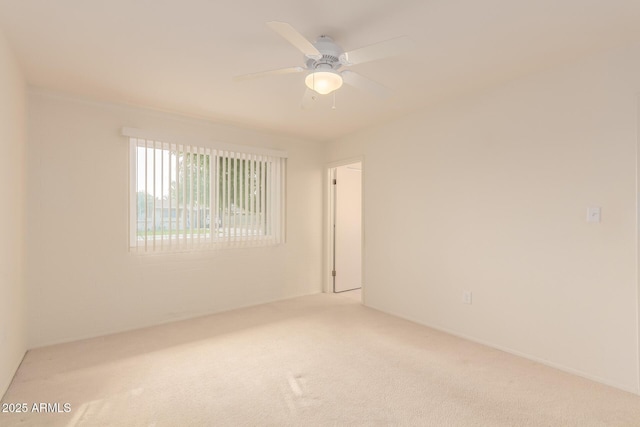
x=328, y=223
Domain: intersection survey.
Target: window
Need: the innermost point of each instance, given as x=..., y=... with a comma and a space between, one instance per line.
x=186, y=196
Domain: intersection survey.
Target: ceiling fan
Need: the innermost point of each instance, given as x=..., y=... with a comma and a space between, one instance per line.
x=325, y=62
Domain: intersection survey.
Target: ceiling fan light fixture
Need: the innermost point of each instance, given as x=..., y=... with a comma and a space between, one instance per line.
x=323, y=82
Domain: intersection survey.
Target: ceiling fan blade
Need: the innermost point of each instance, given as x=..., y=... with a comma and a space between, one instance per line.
x=358, y=81
x=291, y=35
x=381, y=50
x=309, y=99
x=287, y=70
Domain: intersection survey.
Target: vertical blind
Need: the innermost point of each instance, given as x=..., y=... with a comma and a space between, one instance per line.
x=186, y=196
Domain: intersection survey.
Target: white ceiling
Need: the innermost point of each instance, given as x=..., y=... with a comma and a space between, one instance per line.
x=181, y=55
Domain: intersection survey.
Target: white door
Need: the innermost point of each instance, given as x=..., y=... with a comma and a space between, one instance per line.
x=347, y=264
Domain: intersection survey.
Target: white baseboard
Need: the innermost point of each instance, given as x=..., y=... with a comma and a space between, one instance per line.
x=542, y=361
x=5, y=387
x=158, y=322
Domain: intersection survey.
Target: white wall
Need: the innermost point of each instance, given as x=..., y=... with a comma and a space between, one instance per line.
x=12, y=175
x=82, y=280
x=489, y=194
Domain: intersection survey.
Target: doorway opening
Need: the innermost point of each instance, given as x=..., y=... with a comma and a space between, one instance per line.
x=345, y=198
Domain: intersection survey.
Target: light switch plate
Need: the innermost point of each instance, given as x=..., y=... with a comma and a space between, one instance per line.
x=594, y=214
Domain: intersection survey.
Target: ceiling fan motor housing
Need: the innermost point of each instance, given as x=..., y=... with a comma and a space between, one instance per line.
x=330, y=54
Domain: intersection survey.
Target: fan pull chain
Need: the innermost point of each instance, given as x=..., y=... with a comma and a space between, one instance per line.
x=333, y=107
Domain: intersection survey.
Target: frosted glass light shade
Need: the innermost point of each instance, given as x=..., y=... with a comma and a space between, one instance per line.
x=323, y=82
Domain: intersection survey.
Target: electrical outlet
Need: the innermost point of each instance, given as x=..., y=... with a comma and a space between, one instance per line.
x=466, y=297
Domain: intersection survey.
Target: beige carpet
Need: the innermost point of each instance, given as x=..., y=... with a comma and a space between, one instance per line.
x=355, y=294
x=321, y=360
